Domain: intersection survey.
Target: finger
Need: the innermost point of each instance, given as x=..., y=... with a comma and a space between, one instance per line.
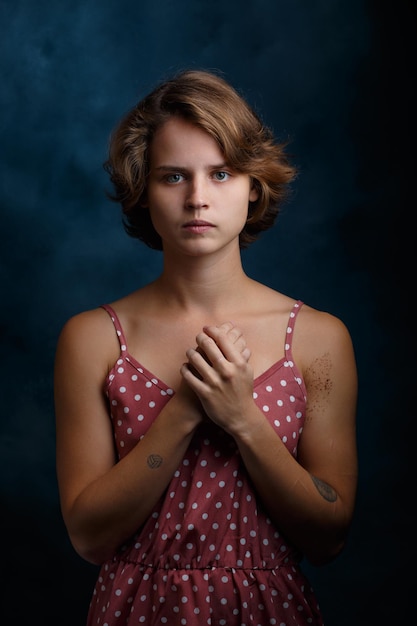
x=198, y=361
x=227, y=326
x=194, y=381
x=229, y=332
x=209, y=349
x=231, y=350
x=246, y=353
x=233, y=332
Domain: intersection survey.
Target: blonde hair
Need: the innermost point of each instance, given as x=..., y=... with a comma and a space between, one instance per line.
x=208, y=101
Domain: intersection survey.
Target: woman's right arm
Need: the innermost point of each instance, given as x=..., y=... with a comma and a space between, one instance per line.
x=103, y=501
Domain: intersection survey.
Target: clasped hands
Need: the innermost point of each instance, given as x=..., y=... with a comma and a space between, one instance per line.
x=219, y=373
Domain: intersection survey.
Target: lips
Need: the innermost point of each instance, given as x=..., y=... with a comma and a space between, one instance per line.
x=197, y=226
x=193, y=223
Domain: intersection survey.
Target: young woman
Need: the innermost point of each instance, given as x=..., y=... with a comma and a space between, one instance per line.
x=205, y=422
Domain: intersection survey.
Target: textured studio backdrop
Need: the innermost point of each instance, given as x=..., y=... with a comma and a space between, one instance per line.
x=335, y=77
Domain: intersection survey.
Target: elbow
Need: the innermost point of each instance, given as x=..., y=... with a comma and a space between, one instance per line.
x=91, y=551
x=91, y=544
x=327, y=540
x=90, y=539
x=326, y=544
x=324, y=554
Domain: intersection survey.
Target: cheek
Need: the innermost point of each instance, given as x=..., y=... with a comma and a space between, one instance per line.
x=161, y=214
x=156, y=218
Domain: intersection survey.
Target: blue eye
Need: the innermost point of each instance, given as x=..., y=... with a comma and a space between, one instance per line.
x=174, y=178
x=221, y=175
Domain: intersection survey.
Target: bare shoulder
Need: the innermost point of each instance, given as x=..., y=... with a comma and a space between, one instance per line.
x=87, y=324
x=86, y=333
x=321, y=326
x=321, y=335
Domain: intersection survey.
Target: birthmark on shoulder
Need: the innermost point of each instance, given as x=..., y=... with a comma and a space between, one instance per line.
x=154, y=461
x=318, y=381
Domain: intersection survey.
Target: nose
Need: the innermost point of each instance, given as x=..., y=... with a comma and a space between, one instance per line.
x=197, y=194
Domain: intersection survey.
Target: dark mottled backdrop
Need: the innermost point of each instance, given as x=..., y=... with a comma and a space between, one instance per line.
x=337, y=78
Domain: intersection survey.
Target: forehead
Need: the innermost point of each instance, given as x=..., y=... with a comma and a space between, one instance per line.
x=180, y=139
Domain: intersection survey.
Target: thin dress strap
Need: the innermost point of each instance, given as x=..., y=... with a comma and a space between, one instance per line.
x=288, y=336
x=290, y=329
x=117, y=326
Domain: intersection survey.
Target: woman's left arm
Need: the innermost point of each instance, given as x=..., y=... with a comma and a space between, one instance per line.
x=311, y=498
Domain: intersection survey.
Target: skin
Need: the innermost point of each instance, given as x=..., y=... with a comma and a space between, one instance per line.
x=207, y=330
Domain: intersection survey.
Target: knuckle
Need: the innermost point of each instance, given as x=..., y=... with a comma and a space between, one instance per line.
x=206, y=343
x=237, y=334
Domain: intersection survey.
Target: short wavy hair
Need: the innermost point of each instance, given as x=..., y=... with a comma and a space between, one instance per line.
x=208, y=101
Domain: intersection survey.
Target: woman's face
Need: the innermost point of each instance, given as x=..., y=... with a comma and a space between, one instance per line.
x=197, y=203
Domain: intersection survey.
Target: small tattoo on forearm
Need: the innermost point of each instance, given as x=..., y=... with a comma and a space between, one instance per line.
x=154, y=461
x=325, y=490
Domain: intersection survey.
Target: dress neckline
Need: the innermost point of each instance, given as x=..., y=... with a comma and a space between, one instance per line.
x=156, y=380
x=287, y=357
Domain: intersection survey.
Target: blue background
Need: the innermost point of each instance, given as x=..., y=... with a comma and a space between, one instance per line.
x=335, y=77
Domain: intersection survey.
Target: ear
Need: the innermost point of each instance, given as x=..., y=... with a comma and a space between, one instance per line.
x=253, y=194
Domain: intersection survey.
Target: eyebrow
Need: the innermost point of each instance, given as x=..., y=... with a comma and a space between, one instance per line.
x=180, y=168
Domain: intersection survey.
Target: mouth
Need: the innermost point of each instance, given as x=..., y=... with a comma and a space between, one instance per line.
x=198, y=226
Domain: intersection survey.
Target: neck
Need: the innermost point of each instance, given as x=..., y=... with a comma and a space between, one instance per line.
x=210, y=283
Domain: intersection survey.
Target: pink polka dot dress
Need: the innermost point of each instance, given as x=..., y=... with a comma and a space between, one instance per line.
x=208, y=555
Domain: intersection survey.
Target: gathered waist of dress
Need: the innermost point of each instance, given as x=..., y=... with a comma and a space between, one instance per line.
x=210, y=553
x=197, y=564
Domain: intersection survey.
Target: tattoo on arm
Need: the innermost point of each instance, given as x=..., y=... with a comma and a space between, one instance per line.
x=154, y=461
x=324, y=489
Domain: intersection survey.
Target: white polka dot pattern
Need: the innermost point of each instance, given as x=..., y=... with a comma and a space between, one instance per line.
x=208, y=552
